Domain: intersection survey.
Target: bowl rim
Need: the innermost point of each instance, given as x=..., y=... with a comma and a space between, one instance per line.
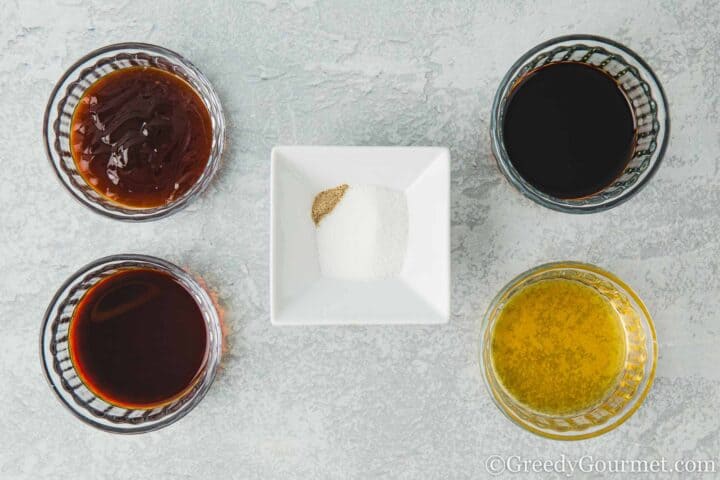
x=652, y=357
x=136, y=214
x=502, y=158
x=212, y=366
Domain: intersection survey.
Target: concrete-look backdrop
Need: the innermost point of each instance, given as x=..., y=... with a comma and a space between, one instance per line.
x=359, y=402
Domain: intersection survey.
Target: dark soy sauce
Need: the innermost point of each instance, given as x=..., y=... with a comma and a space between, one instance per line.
x=569, y=129
x=138, y=339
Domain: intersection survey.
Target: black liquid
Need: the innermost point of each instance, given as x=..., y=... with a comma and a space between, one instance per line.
x=569, y=129
x=138, y=338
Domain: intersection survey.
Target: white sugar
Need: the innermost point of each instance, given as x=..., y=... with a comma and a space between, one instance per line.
x=365, y=236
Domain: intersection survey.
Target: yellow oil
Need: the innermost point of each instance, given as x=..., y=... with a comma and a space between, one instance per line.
x=558, y=347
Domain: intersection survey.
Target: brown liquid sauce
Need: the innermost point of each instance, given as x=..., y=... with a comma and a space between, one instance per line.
x=138, y=339
x=141, y=137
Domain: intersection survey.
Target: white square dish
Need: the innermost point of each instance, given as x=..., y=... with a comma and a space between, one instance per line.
x=300, y=295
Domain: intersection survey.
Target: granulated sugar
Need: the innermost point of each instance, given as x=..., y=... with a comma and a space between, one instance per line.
x=364, y=237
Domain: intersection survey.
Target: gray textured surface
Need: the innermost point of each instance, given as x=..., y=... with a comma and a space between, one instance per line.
x=397, y=402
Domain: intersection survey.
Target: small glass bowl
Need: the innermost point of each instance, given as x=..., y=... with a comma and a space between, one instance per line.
x=70, y=89
x=634, y=382
x=641, y=86
x=64, y=379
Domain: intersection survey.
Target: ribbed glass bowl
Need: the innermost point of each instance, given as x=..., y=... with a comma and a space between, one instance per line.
x=70, y=89
x=633, y=383
x=640, y=85
x=63, y=376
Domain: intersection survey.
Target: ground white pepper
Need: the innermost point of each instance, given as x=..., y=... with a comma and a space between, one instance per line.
x=325, y=201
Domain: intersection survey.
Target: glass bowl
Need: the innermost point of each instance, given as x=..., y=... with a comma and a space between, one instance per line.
x=633, y=383
x=640, y=85
x=70, y=89
x=64, y=379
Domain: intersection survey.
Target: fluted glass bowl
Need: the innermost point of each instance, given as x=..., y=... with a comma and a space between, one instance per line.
x=633, y=383
x=63, y=376
x=70, y=89
x=640, y=85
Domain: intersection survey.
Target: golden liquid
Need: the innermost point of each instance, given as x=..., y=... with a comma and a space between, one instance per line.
x=558, y=347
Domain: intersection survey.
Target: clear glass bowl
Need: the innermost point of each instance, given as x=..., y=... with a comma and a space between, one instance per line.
x=64, y=379
x=640, y=85
x=634, y=381
x=70, y=89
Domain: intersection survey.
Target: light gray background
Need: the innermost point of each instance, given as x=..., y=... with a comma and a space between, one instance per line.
x=394, y=402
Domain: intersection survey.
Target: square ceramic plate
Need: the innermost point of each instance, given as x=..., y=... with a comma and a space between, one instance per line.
x=300, y=295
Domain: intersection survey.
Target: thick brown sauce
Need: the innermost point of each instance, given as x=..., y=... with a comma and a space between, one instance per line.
x=141, y=137
x=138, y=339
